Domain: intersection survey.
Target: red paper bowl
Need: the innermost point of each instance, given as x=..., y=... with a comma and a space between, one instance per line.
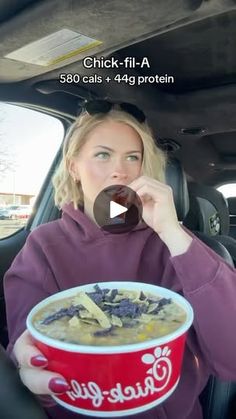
x=109, y=381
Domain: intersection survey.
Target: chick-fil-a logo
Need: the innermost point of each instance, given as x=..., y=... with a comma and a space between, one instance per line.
x=160, y=372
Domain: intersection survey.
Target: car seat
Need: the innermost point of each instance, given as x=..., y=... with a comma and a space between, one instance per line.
x=209, y=214
x=175, y=177
x=232, y=216
x=218, y=399
x=16, y=401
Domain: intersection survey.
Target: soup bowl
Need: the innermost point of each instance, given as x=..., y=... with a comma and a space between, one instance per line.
x=121, y=380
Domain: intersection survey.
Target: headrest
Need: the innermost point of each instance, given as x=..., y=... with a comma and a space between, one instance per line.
x=175, y=177
x=208, y=208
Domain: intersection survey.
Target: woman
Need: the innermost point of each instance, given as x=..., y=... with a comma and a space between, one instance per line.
x=108, y=145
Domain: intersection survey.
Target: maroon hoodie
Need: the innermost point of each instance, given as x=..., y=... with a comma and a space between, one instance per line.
x=74, y=250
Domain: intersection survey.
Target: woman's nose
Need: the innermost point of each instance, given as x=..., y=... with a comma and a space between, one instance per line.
x=119, y=176
x=119, y=171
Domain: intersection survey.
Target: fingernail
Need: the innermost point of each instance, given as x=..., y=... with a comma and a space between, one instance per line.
x=39, y=361
x=58, y=385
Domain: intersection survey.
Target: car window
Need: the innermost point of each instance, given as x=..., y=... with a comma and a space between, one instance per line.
x=228, y=189
x=29, y=141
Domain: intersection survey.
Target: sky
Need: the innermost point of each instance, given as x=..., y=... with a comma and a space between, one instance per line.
x=31, y=140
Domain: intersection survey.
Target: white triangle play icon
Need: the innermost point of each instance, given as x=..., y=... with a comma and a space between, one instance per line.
x=116, y=209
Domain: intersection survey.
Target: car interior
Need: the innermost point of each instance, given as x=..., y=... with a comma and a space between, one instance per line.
x=186, y=86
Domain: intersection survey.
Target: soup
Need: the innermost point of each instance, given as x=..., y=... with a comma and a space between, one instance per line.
x=106, y=317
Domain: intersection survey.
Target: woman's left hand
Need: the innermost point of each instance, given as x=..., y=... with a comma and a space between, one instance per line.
x=159, y=213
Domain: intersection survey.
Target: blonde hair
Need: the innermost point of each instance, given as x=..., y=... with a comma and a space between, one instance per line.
x=66, y=189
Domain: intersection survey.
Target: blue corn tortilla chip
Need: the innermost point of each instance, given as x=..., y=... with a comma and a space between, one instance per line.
x=130, y=324
x=96, y=297
x=164, y=301
x=125, y=309
x=142, y=296
x=102, y=295
x=104, y=332
x=110, y=298
x=63, y=312
x=99, y=295
x=161, y=303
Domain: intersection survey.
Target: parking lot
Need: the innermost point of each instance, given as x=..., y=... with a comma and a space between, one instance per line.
x=8, y=227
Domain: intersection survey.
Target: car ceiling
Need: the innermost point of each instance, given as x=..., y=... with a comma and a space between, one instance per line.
x=192, y=40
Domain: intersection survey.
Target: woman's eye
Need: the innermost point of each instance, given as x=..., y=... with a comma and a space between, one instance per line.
x=102, y=155
x=132, y=158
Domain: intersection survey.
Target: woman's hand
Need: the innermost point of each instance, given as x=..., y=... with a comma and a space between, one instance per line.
x=158, y=204
x=31, y=368
x=159, y=213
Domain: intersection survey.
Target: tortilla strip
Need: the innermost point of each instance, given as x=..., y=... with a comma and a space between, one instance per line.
x=116, y=321
x=90, y=321
x=152, y=307
x=85, y=314
x=125, y=294
x=146, y=318
x=83, y=299
x=137, y=298
x=75, y=322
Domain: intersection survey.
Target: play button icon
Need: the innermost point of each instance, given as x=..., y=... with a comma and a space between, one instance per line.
x=117, y=209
